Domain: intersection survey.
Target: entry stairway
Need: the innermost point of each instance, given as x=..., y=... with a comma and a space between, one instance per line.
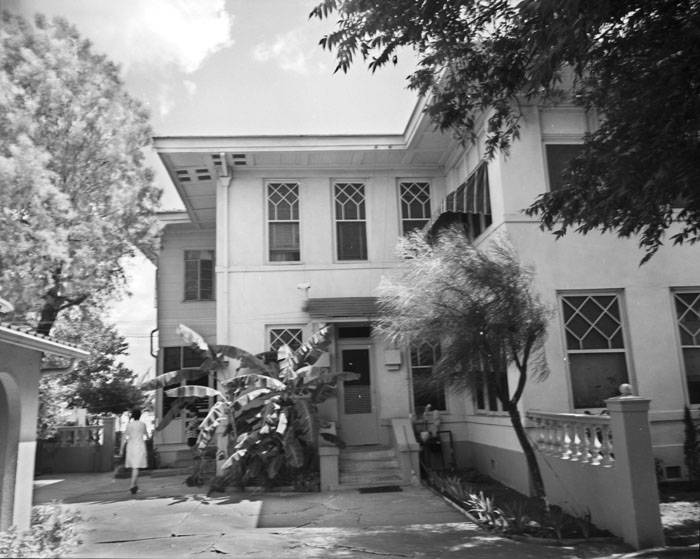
x=369, y=466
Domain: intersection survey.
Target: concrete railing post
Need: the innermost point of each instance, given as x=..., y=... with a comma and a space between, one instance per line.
x=634, y=466
x=107, y=450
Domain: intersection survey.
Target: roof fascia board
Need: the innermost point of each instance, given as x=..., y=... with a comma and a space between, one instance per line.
x=29, y=341
x=179, y=188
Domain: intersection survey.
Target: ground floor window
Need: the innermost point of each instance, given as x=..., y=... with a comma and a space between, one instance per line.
x=687, y=305
x=425, y=389
x=181, y=357
x=289, y=336
x=595, y=344
x=486, y=390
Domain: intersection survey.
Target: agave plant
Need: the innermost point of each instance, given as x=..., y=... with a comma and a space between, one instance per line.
x=268, y=403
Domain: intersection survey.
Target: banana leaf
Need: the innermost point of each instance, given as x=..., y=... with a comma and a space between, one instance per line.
x=243, y=358
x=274, y=466
x=286, y=362
x=293, y=450
x=307, y=420
x=282, y=423
x=209, y=424
x=194, y=391
x=175, y=409
x=266, y=381
x=194, y=339
x=172, y=377
x=245, y=399
x=309, y=352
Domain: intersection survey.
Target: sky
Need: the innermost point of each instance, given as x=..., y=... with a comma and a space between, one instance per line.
x=226, y=67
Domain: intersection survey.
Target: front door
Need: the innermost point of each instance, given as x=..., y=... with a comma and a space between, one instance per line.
x=358, y=414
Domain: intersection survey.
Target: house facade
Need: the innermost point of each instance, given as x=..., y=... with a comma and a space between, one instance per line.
x=284, y=233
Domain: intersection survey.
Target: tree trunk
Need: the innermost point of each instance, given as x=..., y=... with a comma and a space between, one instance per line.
x=530, y=457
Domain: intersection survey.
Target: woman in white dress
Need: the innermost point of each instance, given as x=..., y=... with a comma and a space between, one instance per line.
x=134, y=439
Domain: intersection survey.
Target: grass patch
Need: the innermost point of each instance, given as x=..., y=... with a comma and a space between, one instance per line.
x=680, y=513
x=52, y=534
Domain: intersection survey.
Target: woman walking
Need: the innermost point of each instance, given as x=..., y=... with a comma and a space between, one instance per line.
x=134, y=439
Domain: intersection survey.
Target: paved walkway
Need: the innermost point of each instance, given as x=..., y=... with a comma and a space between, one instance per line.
x=168, y=519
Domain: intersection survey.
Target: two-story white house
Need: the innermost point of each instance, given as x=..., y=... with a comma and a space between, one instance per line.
x=282, y=233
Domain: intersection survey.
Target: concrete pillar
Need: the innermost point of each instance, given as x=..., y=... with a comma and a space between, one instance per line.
x=107, y=450
x=330, y=477
x=634, y=467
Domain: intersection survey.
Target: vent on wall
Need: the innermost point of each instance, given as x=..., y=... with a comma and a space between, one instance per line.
x=217, y=162
x=189, y=175
x=239, y=159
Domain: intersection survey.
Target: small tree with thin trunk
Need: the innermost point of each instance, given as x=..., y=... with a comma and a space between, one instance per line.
x=480, y=306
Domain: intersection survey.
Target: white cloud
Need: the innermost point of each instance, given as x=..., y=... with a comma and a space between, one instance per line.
x=287, y=50
x=182, y=33
x=190, y=86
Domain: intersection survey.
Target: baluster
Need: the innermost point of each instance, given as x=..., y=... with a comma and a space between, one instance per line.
x=607, y=446
x=558, y=439
x=585, y=443
x=596, y=444
x=576, y=441
x=566, y=440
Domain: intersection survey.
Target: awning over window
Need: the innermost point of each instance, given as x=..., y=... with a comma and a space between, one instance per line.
x=341, y=307
x=469, y=205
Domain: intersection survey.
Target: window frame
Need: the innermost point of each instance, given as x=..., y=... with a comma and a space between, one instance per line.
x=402, y=219
x=553, y=142
x=336, y=221
x=268, y=221
x=272, y=327
x=679, y=344
x=185, y=260
x=626, y=350
x=436, y=352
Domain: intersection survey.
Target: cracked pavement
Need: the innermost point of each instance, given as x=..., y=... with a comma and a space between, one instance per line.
x=168, y=519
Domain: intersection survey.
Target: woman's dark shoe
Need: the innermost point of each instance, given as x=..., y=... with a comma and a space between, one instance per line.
x=134, y=489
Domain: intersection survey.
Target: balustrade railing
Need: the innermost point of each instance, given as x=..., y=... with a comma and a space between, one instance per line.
x=79, y=436
x=571, y=436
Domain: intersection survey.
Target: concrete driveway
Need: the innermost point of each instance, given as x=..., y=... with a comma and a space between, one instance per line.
x=168, y=519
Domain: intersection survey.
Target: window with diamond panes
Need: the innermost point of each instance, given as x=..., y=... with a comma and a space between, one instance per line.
x=595, y=347
x=687, y=305
x=351, y=233
x=283, y=222
x=199, y=275
x=415, y=205
x=291, y=337
x=425, y=389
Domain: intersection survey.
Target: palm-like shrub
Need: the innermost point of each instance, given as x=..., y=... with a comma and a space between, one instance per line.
x=267, y=403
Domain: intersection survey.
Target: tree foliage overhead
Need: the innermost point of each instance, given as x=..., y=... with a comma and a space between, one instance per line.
x=479, y=305
x=636, y=63
x=76, y=196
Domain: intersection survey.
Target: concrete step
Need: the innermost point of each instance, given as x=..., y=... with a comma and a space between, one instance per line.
x=368, y=465
x=366, y=453
x=372, y=479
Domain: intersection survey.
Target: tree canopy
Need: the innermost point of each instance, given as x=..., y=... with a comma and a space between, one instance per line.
x=76, y=196
x=635, y=63
x=480, y=306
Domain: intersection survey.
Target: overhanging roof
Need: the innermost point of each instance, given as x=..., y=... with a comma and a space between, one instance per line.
x=21, y=337
x=341, y=307
x=195, y=162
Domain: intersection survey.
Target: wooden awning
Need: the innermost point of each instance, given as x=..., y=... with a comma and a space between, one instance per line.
x=341, y=307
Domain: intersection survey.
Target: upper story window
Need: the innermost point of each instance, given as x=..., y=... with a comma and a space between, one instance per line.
x=596, y=347
x=292, y=337
x=350, y=220
x=558, y=158
x=199, y=275
x=687, y=305
x=425, y=389
x=283, y=221
x=415, y=205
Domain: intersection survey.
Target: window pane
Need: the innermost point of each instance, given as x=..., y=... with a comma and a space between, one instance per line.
x=426, y=391
x=558, y=158
x=291, y=337
x=284, y=236
x=352, y=241
x=691, y=358
x=171, y=359
x=595, y=377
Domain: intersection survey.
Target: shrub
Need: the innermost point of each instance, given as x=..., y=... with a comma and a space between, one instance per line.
x=52, y=534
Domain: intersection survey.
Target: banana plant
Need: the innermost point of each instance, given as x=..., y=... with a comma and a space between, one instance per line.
x=268, y=405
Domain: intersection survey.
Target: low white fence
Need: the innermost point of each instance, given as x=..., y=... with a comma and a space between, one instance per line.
x=602, y=465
